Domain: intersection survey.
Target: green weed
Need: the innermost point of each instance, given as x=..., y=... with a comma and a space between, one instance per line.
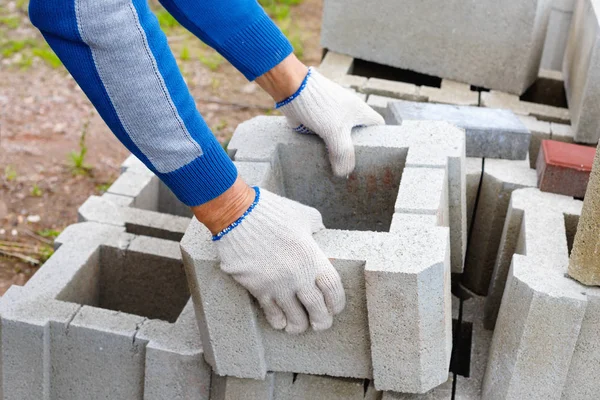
x=185, y=53
x=36, y=191
x=48, y=56
x=166, y=20
x=212, y=60
x=77, y=158
x=10, y=173
x=12, y=22
x=44, y=253
x=102, y=188
x=48, y=233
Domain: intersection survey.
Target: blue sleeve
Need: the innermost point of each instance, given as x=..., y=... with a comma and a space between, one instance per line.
x=118, y=55
x=239, y=30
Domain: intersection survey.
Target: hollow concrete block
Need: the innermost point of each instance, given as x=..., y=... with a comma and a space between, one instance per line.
x=490, y=133
x=335, y=65
x=543, y=112
x=394, y=89
x=239, y=342
x=559, y=23
x=138, y=201
x=105, y=317
x=451, y=92
x=516, y=33
x=540, y=130
x=581, y=69
x=545, y=340
x=500, y=179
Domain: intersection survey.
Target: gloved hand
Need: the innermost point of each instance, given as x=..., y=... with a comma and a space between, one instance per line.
x=325, y=108
x=270, y=251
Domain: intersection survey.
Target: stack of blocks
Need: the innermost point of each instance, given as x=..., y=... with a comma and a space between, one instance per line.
x=394, y=254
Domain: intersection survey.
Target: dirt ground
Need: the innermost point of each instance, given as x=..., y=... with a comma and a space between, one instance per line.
x=43, y=115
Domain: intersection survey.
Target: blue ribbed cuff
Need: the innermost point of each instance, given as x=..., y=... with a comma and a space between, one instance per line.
x=203, y=179
x=258, y=48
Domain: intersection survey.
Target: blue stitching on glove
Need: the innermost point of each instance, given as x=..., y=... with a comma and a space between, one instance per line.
x=238, y=221
x=304, y=130
x=292, y=97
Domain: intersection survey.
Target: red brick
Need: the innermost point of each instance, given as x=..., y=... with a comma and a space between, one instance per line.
x=564, y=168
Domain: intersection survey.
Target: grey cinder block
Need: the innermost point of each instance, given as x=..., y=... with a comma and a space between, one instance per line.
x=335, y=65
x=474, y=169
x=540, y=130
x=357, y=212
x=490, y=133
x=543, y=112
x=545, y=344
x=105, y=317
x=559, y=23
x=386, y=32
x=140, y=202
x=581, y=69
x=500, y=179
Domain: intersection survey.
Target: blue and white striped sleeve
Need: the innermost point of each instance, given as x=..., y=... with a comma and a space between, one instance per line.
x=118, y=55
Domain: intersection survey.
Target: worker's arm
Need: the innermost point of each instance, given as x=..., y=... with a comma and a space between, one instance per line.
x=243, y=33
x=120, y=58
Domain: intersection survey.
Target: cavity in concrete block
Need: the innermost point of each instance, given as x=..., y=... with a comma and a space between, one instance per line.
x=394, y=89
x=103, y=319
x=380, y=104
x=490, y=133
x=559, y=23
x=500, y=179
x=335, y=65
x=544, y=343
x=238, y=340
x=581, y=69
x=540, y=130
x=516, y=33
x=562, y=132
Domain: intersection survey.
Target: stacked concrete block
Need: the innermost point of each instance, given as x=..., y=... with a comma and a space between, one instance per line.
x=581, y=69
x=141, y=203
x=545, y=344
x=500, y=179
x=505, y=55
x=559, y=22
x=490, y=133
x=540, y=130
x=543, y=112
x=403, y=349
x=107, y=316
x=451, y=92
x=335, y=65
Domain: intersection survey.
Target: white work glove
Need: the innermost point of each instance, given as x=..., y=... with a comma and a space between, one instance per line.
x=325, y=108
x=271, y=252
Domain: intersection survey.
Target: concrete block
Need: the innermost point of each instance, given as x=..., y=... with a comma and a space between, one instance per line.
x=451, y=92
x=559, y=23
x=489, y=133
x=444, y=34
x=335, y=65
x=352, y=81
x=474, y=169
x=540, y=130
x=545, y=341
x=564, y=168
x=500, y=179
x=380, y=104
x=140, y=202
x=581, y=69
x=105, y=317
x=394, y=89
x=231, y=388
x=238, y=340
x=442, y=392
x=495, y=99
x=562, y=132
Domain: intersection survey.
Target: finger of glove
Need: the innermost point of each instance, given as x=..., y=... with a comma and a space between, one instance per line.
x=312, y=215
x=313, y=301
x=366, y=116
x=330, y=284
x=341, y=151
x=274, y=314
x=295, y=315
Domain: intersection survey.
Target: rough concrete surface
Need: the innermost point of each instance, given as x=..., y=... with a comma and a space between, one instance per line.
x=543, y=112
x=105, y=317
x=545, y=341
x=506, y=55
x=581, y=69
x=540, y=130
x=474, y=169
x=500, y=179
x=239, y=342
x=559, y=22
x=490, y=133
x=584, y=265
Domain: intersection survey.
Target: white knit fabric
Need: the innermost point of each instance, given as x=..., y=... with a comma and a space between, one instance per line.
x=272, y=254
x=330, y=111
